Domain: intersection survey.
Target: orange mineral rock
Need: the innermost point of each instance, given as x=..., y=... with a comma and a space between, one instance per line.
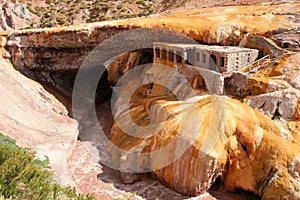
x=217, y=136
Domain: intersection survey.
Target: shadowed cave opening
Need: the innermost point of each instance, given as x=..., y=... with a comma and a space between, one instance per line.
x=60, y=82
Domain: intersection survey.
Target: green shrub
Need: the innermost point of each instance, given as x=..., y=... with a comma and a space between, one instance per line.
x=104, y=18
x=72, y=16
x=129, y=16
x=27, y=27
x=62, y=11
x=143, y=13
x=94, y=15
x=49, y=1
x=39, y=11
x=129, y=1
x=83, y=6
x=30, y=8
x=119, y=7
x=60, y=21
x=24, y=177
x=46, y=22
x=77, y=11
x=141, y=2
x=148, y=7
x=5, y=5
x=151, y=11
x=97, y=7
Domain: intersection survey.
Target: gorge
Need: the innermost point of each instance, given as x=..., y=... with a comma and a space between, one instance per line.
x=258, y=150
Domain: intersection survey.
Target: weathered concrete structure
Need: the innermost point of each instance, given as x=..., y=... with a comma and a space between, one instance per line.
x=217, y=58
x=203, y=65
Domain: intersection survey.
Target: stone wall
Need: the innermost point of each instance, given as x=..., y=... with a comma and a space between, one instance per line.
x=240, y=60
x=223, y=59
x=214, y=80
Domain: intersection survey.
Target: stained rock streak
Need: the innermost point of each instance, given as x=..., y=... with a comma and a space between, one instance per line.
x=243, y=143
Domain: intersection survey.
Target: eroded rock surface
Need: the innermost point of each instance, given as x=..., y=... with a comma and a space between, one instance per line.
x=252, y=152
x=224, y=138
x=14, y=16
x=36, y=119
x=289, y=40
x=273, y=88
x=92, y=176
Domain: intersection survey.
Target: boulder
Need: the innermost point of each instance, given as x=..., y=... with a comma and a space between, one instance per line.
x=277, y=105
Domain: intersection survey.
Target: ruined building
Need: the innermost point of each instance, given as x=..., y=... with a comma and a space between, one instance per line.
x=217, y=58
x=203, y=66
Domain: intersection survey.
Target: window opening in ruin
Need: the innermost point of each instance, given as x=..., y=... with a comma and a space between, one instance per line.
x=212, y=62
x=222, y=62
x=178, y=56
x=164, y=54
x=197, y=56
x=187, y=62
x=149, y=87
x=157, y=52
x=171, y=55
x=285, y=45
x=203, y=57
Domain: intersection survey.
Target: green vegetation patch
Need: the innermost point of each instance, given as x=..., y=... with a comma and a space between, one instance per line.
x=24, y=177
x=67, y=12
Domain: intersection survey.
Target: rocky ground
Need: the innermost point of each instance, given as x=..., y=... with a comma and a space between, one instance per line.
x=52, y=13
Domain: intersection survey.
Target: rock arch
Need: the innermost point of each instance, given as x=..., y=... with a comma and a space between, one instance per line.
x=198, y=83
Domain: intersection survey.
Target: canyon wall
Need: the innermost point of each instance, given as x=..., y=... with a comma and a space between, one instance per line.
x=36, y=119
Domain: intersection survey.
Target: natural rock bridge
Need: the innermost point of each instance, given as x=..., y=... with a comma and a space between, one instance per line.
x=53, y=56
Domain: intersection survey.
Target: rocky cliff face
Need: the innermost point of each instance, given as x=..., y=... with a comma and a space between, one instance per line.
x=36, y=119
x=15, y=15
